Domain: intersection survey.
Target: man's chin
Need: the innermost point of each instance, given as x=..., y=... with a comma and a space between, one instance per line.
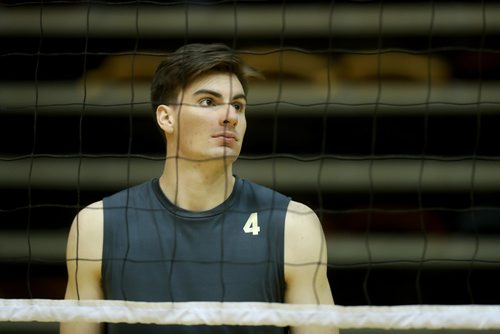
x=226, y=156
x=228, y=153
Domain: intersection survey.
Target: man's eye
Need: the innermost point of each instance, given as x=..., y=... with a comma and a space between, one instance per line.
x=238, y=106
x=207, y=102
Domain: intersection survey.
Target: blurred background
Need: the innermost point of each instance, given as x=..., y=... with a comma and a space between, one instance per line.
x=383, y=116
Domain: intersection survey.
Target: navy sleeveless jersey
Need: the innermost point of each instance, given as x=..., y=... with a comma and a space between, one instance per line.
x=154, y=251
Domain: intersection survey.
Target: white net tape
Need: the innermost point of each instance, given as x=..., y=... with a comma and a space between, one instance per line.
x=478, y=317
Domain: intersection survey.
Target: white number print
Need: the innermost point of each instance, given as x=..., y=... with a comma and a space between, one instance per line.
x=252, y=224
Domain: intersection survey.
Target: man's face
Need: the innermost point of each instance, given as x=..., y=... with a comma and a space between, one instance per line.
x=210, y=119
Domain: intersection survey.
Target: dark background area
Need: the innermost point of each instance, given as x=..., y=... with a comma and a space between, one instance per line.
x=428, y=131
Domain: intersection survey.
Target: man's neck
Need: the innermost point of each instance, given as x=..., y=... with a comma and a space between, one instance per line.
x=197, y=187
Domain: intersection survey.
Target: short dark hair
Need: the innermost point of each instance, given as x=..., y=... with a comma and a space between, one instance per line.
x=190, y=61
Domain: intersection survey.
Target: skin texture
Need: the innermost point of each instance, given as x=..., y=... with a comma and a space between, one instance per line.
x=204, y=133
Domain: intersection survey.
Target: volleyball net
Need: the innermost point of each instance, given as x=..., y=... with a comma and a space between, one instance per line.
x=382, y=117
x=472, y=317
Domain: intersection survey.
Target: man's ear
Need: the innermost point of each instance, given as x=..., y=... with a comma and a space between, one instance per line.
x=165, y=118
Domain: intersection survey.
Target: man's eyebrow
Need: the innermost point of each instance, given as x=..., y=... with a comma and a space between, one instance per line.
x=240, y=96
x=218, y=95
x=208, y=91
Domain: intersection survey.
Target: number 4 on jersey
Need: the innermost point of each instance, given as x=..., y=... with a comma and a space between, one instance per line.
x=252, y=224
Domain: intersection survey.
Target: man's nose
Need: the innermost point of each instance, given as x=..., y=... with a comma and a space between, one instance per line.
x=230, y=116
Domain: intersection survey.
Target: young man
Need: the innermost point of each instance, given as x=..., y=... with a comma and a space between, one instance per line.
x=198, y=233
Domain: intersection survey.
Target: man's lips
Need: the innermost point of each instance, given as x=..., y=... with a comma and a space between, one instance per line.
x=226, y=136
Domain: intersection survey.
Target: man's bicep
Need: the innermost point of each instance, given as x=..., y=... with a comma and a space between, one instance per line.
x=307, y=283
x=84, y=255
x=306, y=264
x=305, y=258
x=83, y=260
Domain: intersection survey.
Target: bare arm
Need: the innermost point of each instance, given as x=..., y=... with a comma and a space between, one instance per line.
x=83, y=260
x=306, y=263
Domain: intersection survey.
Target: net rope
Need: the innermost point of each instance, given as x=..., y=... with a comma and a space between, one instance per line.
x=474, y=317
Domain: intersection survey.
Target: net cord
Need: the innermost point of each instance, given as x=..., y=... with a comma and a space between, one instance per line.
x=474, y=317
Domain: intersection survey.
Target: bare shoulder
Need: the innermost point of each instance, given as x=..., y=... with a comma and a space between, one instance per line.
x=89, y=219
x=85, y=236
x=92, y=212
x=300, y=216
x=303, y=232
